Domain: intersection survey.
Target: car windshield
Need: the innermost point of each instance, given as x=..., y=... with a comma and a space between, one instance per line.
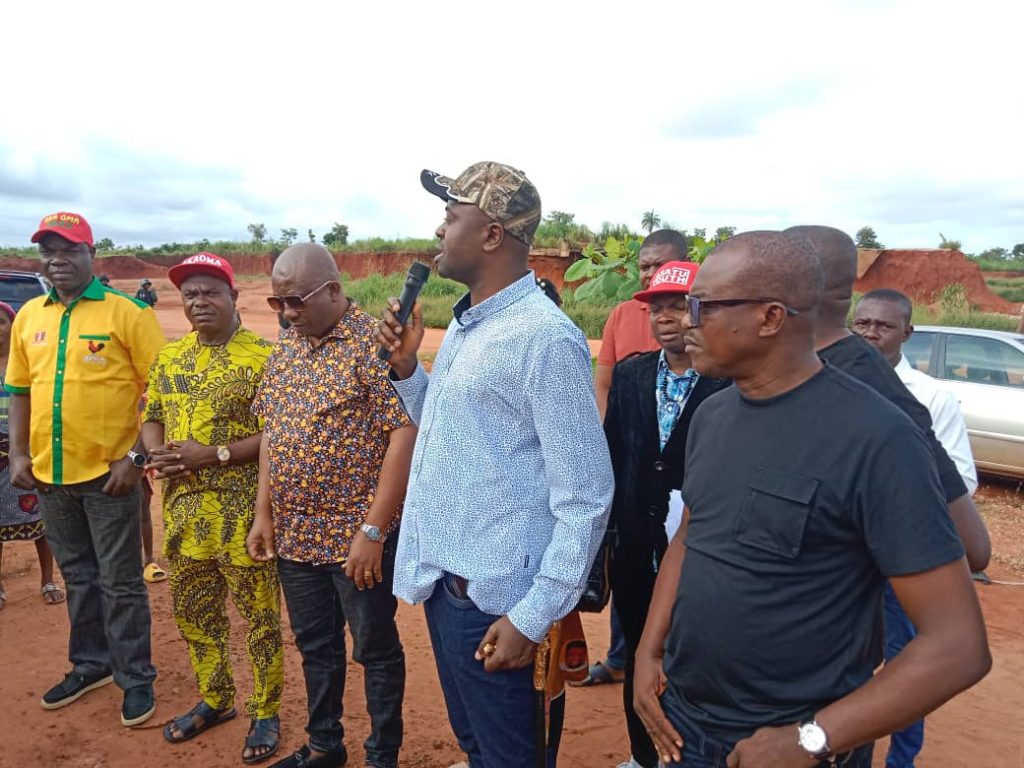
x=19, y=289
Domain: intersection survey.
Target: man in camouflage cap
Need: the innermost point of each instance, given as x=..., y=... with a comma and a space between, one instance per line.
x=502, y=192
x=501, y=520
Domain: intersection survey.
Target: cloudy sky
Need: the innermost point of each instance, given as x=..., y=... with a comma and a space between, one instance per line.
x=186, y=120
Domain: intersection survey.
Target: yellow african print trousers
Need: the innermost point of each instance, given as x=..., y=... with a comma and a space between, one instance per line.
x=199, y=589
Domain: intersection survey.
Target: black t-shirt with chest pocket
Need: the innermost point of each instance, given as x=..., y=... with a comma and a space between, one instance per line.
x=800, y=507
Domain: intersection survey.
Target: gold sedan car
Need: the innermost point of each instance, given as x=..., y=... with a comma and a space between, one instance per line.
x=985, y=371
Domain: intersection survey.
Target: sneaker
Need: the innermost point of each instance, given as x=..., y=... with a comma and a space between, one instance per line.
x=74, y=686
x=139, y=705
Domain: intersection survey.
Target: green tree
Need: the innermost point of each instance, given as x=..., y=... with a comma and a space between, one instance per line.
x=106, y=244
x=994, y=253
x=649, y=221
x=866, y=238
x=312, y=237
x=1018, y=251
x=559, y=225
x=701, y=233
x=618, y=231
x=258, y=232
x=337, y=237
x=724, y=233
x=288, y=236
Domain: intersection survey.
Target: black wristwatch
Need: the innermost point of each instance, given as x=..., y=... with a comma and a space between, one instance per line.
x=138, y=459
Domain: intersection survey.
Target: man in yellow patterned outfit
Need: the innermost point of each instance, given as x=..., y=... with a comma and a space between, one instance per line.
x=203, y=439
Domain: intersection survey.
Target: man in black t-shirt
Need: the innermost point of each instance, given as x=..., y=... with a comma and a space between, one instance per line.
x=805, y=490
x=653, y=398
x=850, y=353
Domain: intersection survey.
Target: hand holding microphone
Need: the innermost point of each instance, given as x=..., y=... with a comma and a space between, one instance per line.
x=399, y=339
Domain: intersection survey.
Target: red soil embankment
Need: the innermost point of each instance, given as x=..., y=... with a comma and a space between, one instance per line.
x=922, y=275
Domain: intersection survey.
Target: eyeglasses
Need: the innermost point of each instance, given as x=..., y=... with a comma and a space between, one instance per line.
x=293, y=301
x=694, y=304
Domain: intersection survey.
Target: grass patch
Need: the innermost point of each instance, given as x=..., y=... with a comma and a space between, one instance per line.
x=383, y=245
x=439, y=294
x=1000, y=265
x=437, y=297
x=1010, y=288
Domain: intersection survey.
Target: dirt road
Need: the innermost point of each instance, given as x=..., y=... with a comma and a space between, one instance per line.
x=982, y=727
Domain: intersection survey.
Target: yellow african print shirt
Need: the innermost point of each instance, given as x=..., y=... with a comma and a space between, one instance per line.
x=204, y=393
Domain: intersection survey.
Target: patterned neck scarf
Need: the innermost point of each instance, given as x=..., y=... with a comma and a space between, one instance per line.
x=671, y=390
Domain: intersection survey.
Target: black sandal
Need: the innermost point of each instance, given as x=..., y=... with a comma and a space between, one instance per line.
x=186, y=724
x=262, y=733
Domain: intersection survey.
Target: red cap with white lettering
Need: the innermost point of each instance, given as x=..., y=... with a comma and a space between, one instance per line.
x=70, y=226
x=673, y=277
x=202, y=264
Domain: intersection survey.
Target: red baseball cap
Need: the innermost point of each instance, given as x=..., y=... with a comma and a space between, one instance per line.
x=202, y=264
x=70, y=226
x=673, y=277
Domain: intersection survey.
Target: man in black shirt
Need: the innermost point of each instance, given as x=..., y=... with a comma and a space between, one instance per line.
x=850, y=353
x=804, y=491
x=651, y=402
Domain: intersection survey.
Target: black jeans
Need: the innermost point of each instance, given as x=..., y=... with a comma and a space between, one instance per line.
x=320, y=599
x=96, y=541
x=633, y=573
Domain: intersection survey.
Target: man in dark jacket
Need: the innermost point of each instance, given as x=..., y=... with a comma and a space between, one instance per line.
x=652, y=399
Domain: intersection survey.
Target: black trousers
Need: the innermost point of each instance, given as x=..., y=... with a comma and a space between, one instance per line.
x=634, y=570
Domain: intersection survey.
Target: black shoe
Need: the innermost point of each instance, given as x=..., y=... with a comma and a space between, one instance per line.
x=302, y=759
x=74, y=686
x=139, y=705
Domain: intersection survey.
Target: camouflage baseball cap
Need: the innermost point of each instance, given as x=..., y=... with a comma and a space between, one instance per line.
x=501, y=191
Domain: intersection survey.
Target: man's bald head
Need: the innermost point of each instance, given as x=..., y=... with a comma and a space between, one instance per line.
x=773, y=265
x=307, y=271
x=306, y=263
x=838, y=256
x=741, y=330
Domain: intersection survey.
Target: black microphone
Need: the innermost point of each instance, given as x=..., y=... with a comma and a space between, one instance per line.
x=418, y=274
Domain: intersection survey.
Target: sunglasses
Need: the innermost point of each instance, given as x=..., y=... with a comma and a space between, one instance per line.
x=293, y=301
x=695, y=303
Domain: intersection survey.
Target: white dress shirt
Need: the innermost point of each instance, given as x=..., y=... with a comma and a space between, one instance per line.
x=947, y=421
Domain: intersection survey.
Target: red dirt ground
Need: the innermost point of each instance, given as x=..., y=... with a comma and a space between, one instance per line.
x=982, y=727
x=922, y=274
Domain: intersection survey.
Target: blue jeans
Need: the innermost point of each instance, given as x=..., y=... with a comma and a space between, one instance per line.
x=906, y=744
x=96, y=541
x=617, y=643
x=320, y=599
x=702, y=751
x=491, y=713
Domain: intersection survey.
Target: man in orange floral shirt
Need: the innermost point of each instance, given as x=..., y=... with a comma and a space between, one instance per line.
x=334, y=463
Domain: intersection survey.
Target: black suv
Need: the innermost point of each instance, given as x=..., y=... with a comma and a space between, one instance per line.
x=18, y=287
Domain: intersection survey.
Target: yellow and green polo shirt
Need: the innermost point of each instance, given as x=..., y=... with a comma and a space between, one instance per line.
x=85, y=368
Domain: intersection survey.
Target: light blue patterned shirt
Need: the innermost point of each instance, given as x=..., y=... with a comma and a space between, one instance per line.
x=671, y=391
x=511, y=482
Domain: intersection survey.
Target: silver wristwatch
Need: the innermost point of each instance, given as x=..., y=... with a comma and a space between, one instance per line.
x=373, y=533
x=813, y=740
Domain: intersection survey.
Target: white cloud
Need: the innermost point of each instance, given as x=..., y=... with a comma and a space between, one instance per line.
x=191, y=120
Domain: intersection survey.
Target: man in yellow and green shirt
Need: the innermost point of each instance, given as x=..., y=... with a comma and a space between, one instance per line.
x=78, y=365
x=203, y=440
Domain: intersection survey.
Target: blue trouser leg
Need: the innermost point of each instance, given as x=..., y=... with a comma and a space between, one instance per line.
x=617, y=642
x=904, y=745
x=491, y=713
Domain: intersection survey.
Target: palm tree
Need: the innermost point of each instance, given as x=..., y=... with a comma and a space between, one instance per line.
x=650, y=221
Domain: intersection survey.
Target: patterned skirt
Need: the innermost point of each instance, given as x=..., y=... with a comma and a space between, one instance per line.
x=19, y=511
